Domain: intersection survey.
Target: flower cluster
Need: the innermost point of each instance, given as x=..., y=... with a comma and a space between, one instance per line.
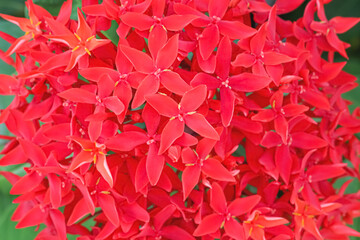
x=200, y=119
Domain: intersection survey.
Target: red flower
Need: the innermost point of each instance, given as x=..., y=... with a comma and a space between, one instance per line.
x=149, y=119
x=181, y=114
x=225, y=215
x=81, y=43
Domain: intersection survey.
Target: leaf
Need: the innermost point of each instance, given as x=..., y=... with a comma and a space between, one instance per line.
x=111, y=33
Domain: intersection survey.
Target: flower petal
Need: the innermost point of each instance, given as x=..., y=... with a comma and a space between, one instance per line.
x=168, y=53
x=200, y=125
x=214, y=169
x=173, y=82
x=114, y=104
x=235, y=29
x=172, y=131
x=163, y=104
x=150, y=85
x=193, y=98
x=247, y=82
x=234, y=229
x=243, y=205
x=307, y=141
x=190, y=178
x=154, y=164
x=209, y=224
x=138, y=21
x=140, y=60
x=78, y=95
x=104, y=170
x=208, y=41
x=227, y=105
x=217, y=199
x=126, y=141
x=108, y=206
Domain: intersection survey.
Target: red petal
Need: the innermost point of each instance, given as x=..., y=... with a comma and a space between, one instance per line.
x=207, y=65
x=200, y=125
x=114, y=104
x=193, y=99
x=78, y=95
x=271, y=221
x=323, y=172
x=151, y=118
x=168, y=53
x=265, y=115
x=247, y=82
x=65, y=12
x=26, y=183
x=311, y=227
x=80, y=159
x=274, y=58
x=188, y=156
x=247, y=125
x=316, y=99
x=172, y=131
x=227, y=105
x=208, y=41
x=150, y=85
x=164, y=105
x=157, y=40
x=223, y=58
x=103, y=168
x=177, y=22
x=33, y=152
x=126, y=141
x=75, y=57
x=154, y=164
x=58, y=132
x=83, y=30
x=55, y=190
x=58, y=220
x=235, y=29
x=80, y=210
x=208, y=80
x=105, y=86
x=15, y=156
x=258, y=41
x=34, y=217
x=271, y=139
x=209, y=224
x=307, y=141
x=283, y=162
x=214, y=169
x=175, y=233
x=190, y=178
x=217, y=199
x=284, y=6
x=281, y=127
x=218, y=8
x=244, y=60
x=173, y=82
x=234, y=229
x=139, y=21
x=140, y=60
x=343, y=24
x=108, y=205
x=292, y=110
x=243, y=205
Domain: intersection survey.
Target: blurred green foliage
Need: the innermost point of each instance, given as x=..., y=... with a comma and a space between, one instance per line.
x=17, y=8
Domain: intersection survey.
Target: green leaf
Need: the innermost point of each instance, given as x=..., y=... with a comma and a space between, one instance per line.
x=111, y=33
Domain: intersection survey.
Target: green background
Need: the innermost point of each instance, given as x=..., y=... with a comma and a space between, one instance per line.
x=345, y=8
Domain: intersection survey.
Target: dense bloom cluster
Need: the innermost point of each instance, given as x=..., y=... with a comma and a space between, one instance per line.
x=181, y=119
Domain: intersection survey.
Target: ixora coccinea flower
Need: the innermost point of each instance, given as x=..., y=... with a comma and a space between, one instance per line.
x=159, y=119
